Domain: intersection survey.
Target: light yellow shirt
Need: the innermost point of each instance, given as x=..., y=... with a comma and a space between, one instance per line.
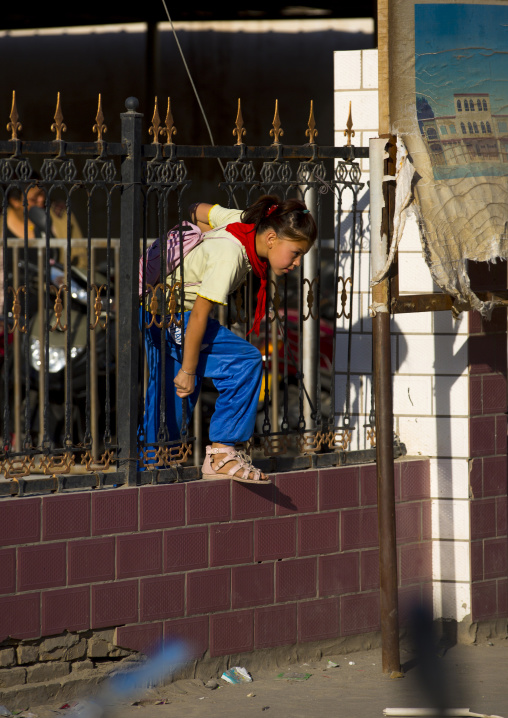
x=216, y=267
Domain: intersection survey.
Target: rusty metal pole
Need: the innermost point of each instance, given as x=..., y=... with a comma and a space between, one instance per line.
x=381, y=346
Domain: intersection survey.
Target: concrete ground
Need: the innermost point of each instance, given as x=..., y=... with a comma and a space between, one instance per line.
x=473, y=676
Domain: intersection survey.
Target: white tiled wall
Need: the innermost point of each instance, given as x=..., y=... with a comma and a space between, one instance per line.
x=429, y=358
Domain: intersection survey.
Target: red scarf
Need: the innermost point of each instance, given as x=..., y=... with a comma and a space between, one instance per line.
x=246, y=233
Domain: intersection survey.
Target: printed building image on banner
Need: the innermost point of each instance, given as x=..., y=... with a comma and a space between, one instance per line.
x=448, y=103
x=462, y=96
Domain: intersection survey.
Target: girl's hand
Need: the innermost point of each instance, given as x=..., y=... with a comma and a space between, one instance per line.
x=184, y=384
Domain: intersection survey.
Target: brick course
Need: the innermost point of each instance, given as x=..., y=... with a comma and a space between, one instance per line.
x=299, y=562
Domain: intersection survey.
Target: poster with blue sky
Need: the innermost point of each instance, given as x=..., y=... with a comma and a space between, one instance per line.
x=461, y=86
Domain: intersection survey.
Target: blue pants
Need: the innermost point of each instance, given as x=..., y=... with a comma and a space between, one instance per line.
x=234, y=365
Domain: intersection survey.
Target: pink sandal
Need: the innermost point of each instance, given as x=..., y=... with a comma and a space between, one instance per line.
x=242, y=461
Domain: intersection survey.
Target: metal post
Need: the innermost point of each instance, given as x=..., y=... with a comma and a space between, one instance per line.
x=128, y=350
x=381, y=347
x=310, y=331
x=94, y=384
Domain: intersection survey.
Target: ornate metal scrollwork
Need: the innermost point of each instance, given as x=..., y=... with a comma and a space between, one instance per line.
x=154, y=304
x=58, y=308
x=17, y=466
x=343, y=296
x=310, y=298
x=6, y=170
x=107, y=459
x=371, y=436
x=92, y=168
x=58, y=464
x=24, y=170
x=340, y=438
x=172, y=305
x=231, y=171
x=16, y=310
x=98, y=307
x=156, y=457
x=68, y=171
x=275, y=445
x=49, y=170
x=310, y=442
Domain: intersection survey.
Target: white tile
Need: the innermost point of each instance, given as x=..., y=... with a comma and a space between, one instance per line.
x=440, y=354
x=355, y=234
x=451, y=395
x=444, y=323
x=417, y=323
x=410, y=241
x=347, y=69
x=449, y=478
x=361, y=353
x=412, y=395
x=450, y=561
x=364, y=109
x=414, y=275
x=451, y=600
x=367, y=395
x=430, y=436
x=361, y=270
x=356, y=385
x=369, y=69
x=451, y=354
x=417, y=354
x=450, y=519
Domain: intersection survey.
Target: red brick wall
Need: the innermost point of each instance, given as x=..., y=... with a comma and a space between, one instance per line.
x=487, y=441
x=228, y=566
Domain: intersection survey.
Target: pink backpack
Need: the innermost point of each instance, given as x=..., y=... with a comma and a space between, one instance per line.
x=191, y=236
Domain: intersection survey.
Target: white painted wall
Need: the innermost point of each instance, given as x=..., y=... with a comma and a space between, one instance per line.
x=429, y=358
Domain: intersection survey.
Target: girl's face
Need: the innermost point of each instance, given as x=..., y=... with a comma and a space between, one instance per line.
x=284, y=255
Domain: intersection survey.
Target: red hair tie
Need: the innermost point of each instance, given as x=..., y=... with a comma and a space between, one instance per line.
x=271, y=209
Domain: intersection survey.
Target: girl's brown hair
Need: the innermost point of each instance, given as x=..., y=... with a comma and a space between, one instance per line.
x=290, y=218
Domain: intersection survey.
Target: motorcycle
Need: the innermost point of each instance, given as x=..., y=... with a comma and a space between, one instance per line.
x=59, y=377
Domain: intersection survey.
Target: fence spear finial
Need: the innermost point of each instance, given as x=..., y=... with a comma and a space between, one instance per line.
x=155, y=127
x=58, y=125
x=99, y=126
x=349, y=132
x=14, y=125
x=277, y=128
x=170, y=124
x=239, y=130
x=311, y=133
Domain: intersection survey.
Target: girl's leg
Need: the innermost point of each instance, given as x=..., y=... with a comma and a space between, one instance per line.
x=235, y=366
x=173, y=409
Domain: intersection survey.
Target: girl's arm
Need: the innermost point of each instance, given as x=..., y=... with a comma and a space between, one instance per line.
x=185, y=382
x=199, y=215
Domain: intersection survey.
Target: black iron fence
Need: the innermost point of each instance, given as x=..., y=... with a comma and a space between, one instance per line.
x=75, y=218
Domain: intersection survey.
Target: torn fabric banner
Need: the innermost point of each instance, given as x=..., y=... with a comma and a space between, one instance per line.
x=448, y=64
